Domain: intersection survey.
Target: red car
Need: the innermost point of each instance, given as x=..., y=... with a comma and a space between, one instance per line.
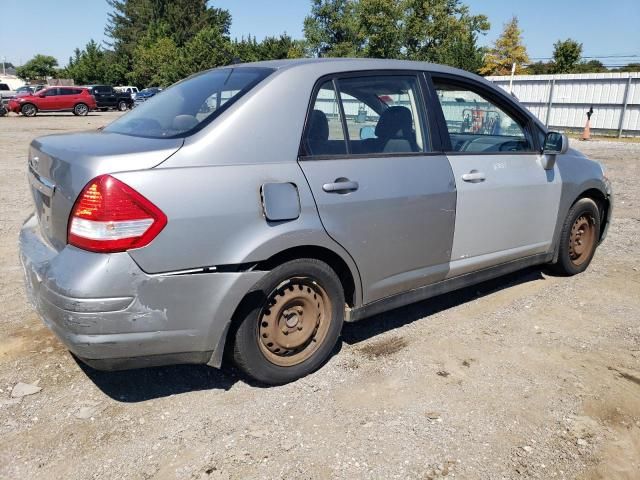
x=54, y=99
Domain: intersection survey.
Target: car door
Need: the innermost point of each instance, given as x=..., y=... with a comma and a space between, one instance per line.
x=66, y=98
x=101, y=97
x=507, y=202
x=111, y=98
x=382, y=190
x=49, y=100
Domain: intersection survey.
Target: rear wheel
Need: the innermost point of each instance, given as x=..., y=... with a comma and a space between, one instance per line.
x=291, y=328
x=81, y=110
x=579, y=237
x=29, y=110
x=122, y=105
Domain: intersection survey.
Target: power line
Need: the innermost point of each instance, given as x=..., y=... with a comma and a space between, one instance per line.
x=635, y=55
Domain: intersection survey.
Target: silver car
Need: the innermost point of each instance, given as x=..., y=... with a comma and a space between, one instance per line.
x=251, y=210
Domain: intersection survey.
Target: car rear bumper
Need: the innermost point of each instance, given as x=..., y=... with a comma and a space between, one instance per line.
x=112, y=315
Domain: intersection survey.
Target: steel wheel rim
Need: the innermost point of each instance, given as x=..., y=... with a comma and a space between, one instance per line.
x=122, y=106
x=582, y=239
x=294, y=321
x=81, y=109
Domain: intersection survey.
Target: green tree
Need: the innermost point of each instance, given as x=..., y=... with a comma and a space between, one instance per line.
x=276, y=48
x=566, y=55
x=131, y=20
x=135, y=25
x=332, y=29
x=246, y=50
x=155, y=63
x=507, y=50
x=208, y=49
x=380, y=27
x=441, y=31
x=591, y=66
x=462, y=52
x=88, y=65
x=297, y=49
x=538, y=68
x=40, y=67
x=631, y=67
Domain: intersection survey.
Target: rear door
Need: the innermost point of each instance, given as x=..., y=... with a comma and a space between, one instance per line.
x=110, y=95
x=68, y=97
x=382, y=190
x=507, y=202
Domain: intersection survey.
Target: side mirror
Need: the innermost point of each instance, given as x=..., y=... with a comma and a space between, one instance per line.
x=367, y=132
x=554, y=143
x=41, y=95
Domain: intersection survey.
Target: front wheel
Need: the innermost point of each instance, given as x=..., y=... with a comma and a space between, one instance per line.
x=579, y=237
x=80, y=110
x=29, y=110
x=122, y=106
x=291, y=323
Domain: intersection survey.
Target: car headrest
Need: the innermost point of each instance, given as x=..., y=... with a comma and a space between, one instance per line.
x=395, y=122
x=318, y=127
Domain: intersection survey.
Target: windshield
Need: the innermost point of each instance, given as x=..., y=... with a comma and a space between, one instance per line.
x=190, y=104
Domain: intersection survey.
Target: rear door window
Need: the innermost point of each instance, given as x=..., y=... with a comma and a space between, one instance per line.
x=383, y=115
x=69, y=91
x=324, y=134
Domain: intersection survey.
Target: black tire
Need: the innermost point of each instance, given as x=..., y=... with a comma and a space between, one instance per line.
x=29, y=110
x=81, y=110
x=576, y=249
x=250, y=352
x=122, y=105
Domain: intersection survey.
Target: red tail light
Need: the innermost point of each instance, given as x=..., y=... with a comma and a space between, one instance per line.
x=109, y=216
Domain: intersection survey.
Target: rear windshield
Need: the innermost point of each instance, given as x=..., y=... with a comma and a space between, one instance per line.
x=189, y=105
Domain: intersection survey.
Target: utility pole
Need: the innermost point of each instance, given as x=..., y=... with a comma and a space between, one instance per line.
x=513, y=72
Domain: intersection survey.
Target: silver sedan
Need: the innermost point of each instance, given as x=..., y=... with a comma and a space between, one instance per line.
x=252, y=209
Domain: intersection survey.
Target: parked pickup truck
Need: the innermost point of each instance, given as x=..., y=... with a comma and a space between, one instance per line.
x=6, y=93
x=108, y=97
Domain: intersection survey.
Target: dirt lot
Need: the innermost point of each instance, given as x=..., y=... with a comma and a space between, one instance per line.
x=529, y=376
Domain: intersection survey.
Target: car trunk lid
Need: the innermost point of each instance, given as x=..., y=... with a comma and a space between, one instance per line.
x=61, y=165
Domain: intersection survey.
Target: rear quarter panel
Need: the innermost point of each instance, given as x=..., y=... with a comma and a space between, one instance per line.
x=215, y=217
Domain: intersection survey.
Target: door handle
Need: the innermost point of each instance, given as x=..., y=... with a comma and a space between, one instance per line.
x=341, y=185
x=474, y=176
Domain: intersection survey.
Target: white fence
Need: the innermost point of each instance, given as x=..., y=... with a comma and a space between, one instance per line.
x=562, y=101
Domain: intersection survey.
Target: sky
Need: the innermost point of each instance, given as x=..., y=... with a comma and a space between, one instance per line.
x=605, y=28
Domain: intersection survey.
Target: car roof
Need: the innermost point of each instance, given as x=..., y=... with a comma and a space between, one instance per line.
x=345, y=64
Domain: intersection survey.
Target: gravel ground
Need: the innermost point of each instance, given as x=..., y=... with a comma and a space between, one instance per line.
x=528, y=376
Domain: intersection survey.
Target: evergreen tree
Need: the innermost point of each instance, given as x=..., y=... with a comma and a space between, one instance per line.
x=507, y=50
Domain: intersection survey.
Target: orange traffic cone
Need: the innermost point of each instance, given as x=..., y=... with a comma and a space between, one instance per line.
x=586, y=133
